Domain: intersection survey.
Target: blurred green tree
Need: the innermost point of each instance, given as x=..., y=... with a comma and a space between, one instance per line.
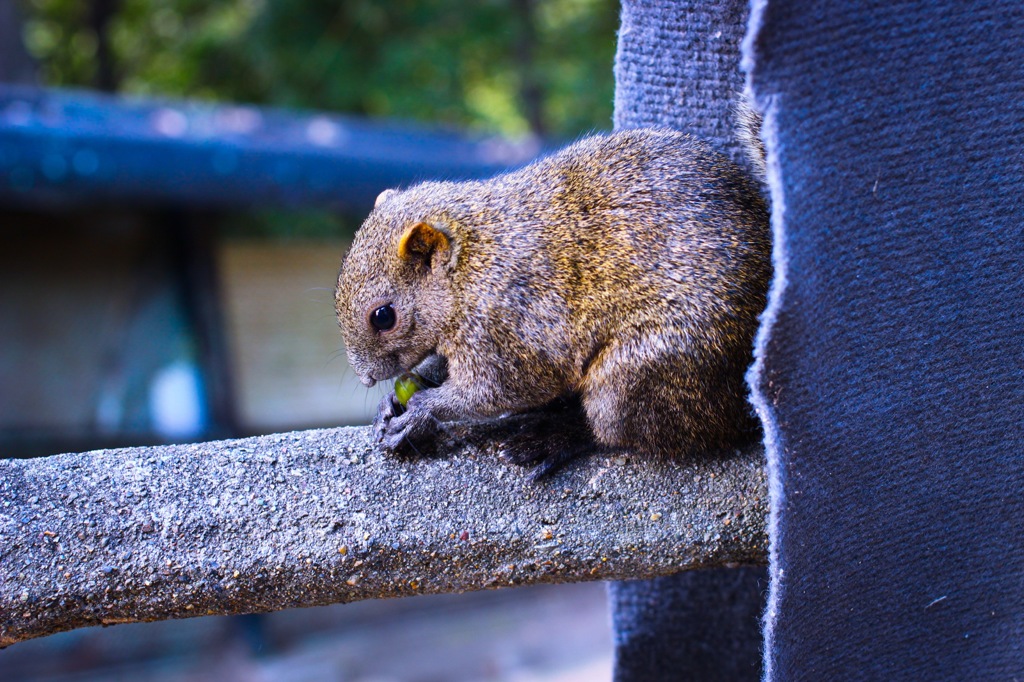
x=512, y=67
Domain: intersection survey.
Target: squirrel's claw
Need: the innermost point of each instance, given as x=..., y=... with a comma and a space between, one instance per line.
x=398, y=429
x=387, y=409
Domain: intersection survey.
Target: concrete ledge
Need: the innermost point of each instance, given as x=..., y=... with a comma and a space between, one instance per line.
x=319, y=517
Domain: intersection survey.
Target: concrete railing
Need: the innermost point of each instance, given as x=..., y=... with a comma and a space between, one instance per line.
x=319, y=517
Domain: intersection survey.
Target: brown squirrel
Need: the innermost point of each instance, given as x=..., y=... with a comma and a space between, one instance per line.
x=628, y=269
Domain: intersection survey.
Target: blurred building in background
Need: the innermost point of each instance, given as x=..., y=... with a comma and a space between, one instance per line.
x=142, y=306
x=175, y=200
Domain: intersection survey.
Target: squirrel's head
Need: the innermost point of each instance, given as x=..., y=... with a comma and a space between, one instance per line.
x=394, y=295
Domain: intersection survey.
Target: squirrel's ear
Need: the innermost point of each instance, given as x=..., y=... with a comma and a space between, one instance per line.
x=383, y=196
x=420, y=242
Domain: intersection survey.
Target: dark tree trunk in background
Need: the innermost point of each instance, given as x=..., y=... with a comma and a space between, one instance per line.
x=16, y=66
x=531, y=91
x=102, y=11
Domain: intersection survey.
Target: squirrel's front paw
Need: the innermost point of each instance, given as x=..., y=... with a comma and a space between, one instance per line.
x=398, y=429
x=387, y=409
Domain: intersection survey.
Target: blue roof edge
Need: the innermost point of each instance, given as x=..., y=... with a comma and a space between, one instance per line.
x=70, y=146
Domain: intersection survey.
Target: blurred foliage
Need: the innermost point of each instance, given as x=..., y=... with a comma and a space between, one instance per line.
x=503, y=66
x=511, y=67
x=289, y=224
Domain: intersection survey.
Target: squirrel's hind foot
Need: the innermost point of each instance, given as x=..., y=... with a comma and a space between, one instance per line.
x=549, y=438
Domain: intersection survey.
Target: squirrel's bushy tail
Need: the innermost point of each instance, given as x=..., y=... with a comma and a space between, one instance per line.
x=748, y=130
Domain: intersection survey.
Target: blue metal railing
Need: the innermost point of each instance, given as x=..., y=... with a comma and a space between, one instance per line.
x=67, y=145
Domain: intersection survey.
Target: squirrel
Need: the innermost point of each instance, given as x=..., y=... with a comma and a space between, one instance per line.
x=628, y=270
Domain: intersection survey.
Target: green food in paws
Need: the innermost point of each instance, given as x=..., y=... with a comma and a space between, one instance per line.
x=405, y=386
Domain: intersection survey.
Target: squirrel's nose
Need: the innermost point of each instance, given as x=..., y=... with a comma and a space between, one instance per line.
x=368, y=381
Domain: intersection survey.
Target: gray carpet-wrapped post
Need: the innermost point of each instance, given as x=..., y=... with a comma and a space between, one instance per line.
x=678, y=66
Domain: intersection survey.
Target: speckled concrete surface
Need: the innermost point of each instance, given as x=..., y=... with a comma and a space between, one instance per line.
x=319, y=517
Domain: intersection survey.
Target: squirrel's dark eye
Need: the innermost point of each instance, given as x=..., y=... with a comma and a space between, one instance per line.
x=383, y=318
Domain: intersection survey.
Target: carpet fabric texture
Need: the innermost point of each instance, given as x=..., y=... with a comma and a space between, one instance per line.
x=890, y=363
x=702, y=625
x=890, y=368
x=678, y=66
